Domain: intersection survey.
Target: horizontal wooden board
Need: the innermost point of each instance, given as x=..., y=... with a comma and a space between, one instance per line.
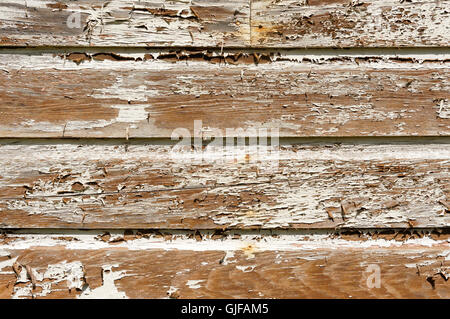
x=154, y=94
x=345, y=23
x=142, y=186
x=206, y=23
x=97, y=200
x=350, y=270
x=124, y=23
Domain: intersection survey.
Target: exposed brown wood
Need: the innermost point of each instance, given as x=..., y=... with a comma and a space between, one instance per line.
x=286, y=23
x=346, y=23
x=124, y=23
x=143, y=186
x=350, y=200
x=404, y=272
x=84, y=95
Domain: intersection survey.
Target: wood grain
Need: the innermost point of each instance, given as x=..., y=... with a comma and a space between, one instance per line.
x=142, y=186
x=345, y=23
x=204, y=23
x=98, y=200
x=406, y=271
x=152, y=95
x=218, y=23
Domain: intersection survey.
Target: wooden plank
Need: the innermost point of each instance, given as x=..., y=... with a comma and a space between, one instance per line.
x=225, y=269
x=286, y=23
x=204, y=23
x=96, y=201
x=151, y=95
x=345, y=23
x=77, y=185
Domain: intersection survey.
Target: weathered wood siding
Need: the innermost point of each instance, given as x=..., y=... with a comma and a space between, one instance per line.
x=349, y=23
x=144, y=186
x=216, y=23
x=125, y=23
x=151, y=95
x=224, y=149
x=63, y=268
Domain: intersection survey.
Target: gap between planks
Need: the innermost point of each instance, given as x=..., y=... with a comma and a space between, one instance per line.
x=229, y=231
x=357, y=51
x=263, y=240
x=283, y=141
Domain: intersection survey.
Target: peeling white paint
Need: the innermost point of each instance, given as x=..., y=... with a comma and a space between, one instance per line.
x=194, y=284
x=108, y=289
x=70, y=273
x=302, y=186
x=246, y=268
x=372, y=25
x=227, y=258
x=110, y=24
x=250, y=244
x=6, y=265
x=171, y=291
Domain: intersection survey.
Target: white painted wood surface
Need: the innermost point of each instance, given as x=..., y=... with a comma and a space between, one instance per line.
x=144, y=186
x=154, y=94
x=96, y=200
